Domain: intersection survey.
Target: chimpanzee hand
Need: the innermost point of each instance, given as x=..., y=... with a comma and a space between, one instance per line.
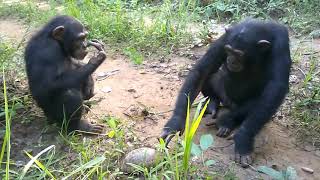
x=97, y=44
x=174, y=125
x=243, y=148
x=101, y=55
x=98, y=59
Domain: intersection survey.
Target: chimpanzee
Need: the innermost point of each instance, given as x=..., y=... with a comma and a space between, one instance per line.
x=247, y=70
x=58, y=83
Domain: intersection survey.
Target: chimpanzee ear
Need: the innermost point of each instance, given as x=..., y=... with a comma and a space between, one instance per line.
x=58, y=32
x=264, y=45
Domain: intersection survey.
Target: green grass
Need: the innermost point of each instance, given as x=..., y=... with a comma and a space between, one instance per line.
x=300, y=15
x=6, y=144
x=306, y=94
x=120, y=24
x=138, y=29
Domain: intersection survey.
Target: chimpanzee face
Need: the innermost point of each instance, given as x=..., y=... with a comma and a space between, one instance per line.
x=245, y=48
x=235, y=59
x=79, y=46
x=73, y=37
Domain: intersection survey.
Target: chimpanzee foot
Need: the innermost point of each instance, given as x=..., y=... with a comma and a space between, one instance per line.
x=243, y=160
x=91, y=127
x=223, y=132
x=212, y=121
x=211, y=109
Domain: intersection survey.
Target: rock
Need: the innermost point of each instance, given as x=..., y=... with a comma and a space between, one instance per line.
x=106, y=89
x=132, y=90
x=293, y=79
x=308, y=170
x=145, y=157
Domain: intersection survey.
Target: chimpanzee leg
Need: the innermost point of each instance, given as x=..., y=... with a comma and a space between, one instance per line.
x=229, y=121
x=214, y=89
x=212, y=107
x=67, y=109
x=88, y=89
x=72, y=104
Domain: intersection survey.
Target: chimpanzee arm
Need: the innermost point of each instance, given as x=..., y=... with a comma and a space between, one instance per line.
x=73, y=78
x=207, y=65
x=272, y=95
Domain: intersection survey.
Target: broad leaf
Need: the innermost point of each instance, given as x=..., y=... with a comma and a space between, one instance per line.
x=112, y=123
x=195, y=150
x=210, y=162
x=291, y=173
x=111, y=134
x=271, y=172
x=206, y=141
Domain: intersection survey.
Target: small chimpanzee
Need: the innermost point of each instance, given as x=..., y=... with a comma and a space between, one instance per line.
x=246, y=69
x=57, y=82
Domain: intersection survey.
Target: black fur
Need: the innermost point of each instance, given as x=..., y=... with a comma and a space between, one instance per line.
x=57, y=83
x=254, y=94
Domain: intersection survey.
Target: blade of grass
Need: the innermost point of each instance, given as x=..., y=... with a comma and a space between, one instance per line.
x=186, y=139
x=6, y=142
x=29, y=164
x=190, y=133
x=40, y=165
x=87, y=165
x=186, y=129
x=195, y=124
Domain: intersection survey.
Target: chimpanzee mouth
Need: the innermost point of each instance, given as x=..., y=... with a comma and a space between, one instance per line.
x=80, y=55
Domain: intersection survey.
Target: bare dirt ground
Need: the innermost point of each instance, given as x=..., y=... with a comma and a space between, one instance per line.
x=144, y=95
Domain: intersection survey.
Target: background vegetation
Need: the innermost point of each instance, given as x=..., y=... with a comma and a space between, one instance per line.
x=138, y=29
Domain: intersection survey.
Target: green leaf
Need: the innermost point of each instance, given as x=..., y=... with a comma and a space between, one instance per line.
x=271, y=172
x=111, y=134
x=195, y=150
x=40, y=165
x=33, y=159
x=112, y=123
x=198, y=110
x=196, y=122
x=206, y=141
x=210, y=162
x=291, y=173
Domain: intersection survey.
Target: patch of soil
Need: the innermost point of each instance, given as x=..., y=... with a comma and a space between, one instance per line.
x=12, y=30
x=144, y=95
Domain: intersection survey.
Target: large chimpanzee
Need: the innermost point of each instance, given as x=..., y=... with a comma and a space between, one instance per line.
x=246, y=69
x=57, y=82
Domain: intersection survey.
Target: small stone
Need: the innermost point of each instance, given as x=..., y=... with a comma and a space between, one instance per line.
x=132, y=90
x=142, y=72
x=317, y=153
x=293, y=79
x=200, y=44
x=106, y=89
x=129, y=144
x=309, y=148
x=19, y=163
x=144, y=156
x=308, y=170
